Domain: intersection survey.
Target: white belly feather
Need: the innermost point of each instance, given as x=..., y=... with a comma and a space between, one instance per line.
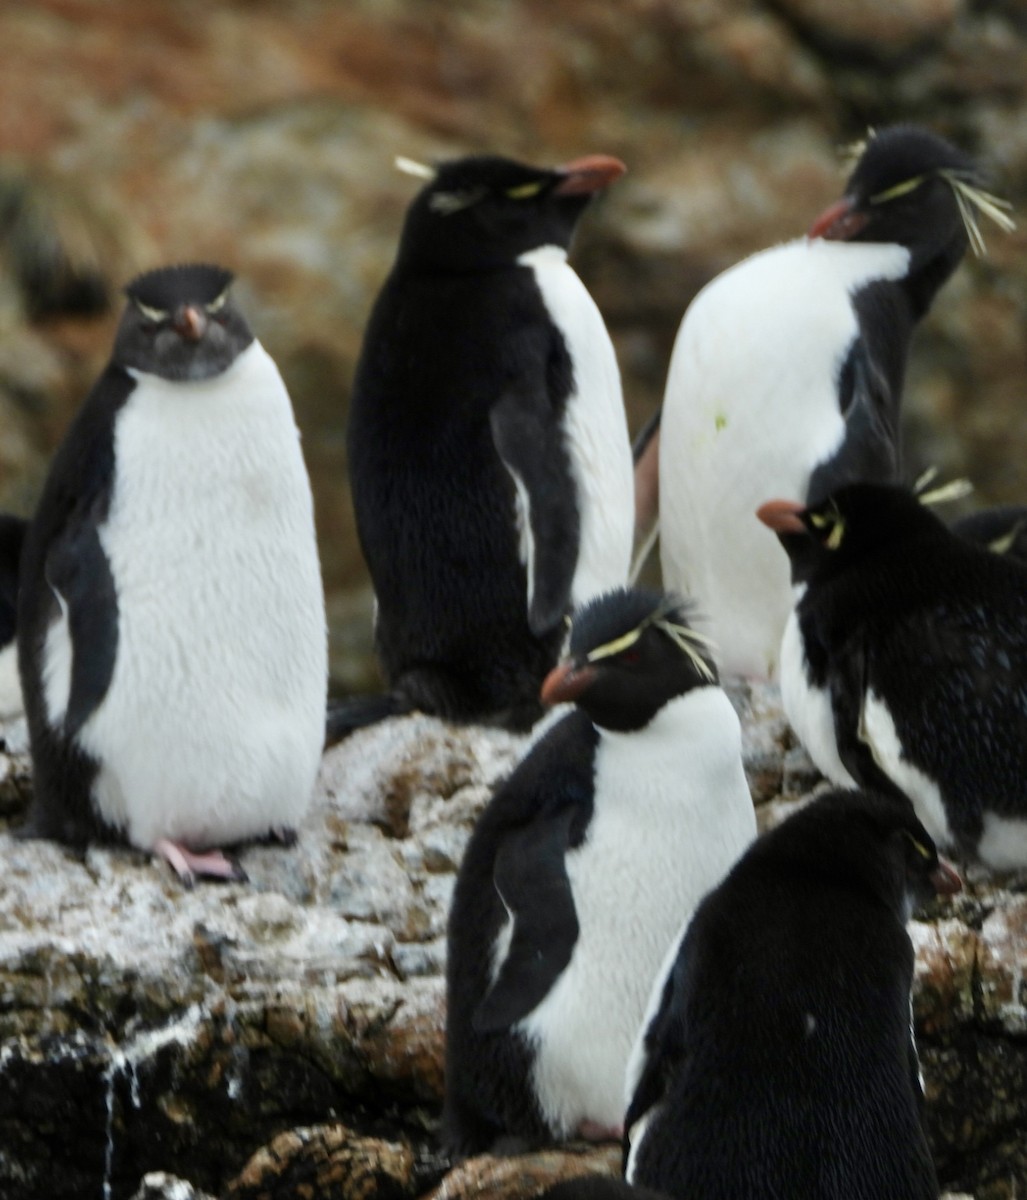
x=672, y=813
x=750, y=409
x=596, y=428
x=212, y=727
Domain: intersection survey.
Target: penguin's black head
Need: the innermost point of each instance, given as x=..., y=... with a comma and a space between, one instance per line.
x=630, y=652
x=916, y=189
x=181, y=324
x=866, y=840
x=484, y=212
x=851, y=524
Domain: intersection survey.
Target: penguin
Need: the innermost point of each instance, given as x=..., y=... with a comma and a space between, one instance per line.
x=578, y=875
x=780, y=1059
x=908, y=669
x=489, y=457
x=787, y=372
x=171, y=624
x=12, y=538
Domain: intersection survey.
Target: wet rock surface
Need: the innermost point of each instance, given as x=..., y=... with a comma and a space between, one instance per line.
x=284, y=1038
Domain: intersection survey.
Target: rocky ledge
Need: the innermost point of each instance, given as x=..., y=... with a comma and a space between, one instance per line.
x=284, y=1038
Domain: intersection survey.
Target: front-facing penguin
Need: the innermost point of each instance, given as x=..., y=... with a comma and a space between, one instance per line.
x=171, y=625
x=905, y=665
x=780, y=1059
x=488, y=449
x=579, y=874
x=787, y=375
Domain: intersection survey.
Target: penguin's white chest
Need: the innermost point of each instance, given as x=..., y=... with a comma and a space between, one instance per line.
x=595, y=428
x=672, y=813
x=212, y=726
x=751, y=407
x=808, y=708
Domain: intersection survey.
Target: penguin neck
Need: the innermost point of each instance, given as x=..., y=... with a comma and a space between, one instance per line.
x=694, y=716
x=548, y=255
x=927, y=274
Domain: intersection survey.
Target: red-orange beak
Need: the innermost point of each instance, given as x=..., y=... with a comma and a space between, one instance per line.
x=838, y=223
x=565, y=683
x=945, y=879
x=190, y=323
x=589, y=174
x=782, y=516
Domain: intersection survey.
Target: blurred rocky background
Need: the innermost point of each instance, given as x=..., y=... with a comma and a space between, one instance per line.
x=262, y=135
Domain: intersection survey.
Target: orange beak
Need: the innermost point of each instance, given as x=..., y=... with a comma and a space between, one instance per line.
x=589, y=174
x=782, y=516
x=838, y=223
x=565, y=683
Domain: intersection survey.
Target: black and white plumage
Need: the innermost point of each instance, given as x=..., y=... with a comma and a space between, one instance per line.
x=12, y=538
x=579, y=874
x=779, y=1059
x=905, y=665
x=171, y=623
x=787, y=375
x=488, y=449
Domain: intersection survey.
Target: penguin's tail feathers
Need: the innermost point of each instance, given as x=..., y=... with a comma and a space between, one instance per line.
x=356, y=712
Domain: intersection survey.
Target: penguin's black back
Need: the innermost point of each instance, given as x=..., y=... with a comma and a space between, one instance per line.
x=434, y=502
x=12, y=538
x=488, y=1075
x=786, y=1042
x=76, y=496
x=936, y=627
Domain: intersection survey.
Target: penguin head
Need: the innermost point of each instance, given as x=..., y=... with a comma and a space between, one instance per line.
x=630, y=652
x=181, y=324
x=483, y=212
x=913, y=188
x=866, y=840
x=853, y=523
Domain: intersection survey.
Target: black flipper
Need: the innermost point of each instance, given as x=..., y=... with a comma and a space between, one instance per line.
x=869, y=452
x=531, y=878
x=12, y=537
x=529, y=440
x=78, y=572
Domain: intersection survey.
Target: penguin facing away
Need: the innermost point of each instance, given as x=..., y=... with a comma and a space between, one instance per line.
x=909, y=666
x=579, y=873
x=780, y=1060
x=488, y=448
x=787, y=374
x=171, y=626
x=12, y=537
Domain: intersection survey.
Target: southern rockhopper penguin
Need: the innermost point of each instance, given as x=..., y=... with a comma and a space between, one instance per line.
x=580, y=872
x=171, y=623
x=787, y=375
x=779, y=1059
x=488, y=448
x=905, y=665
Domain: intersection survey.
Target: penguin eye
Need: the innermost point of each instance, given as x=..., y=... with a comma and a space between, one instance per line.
x=524, y=191
x=217, y=305
x=630, y=657
x=151, y=314
x=900, y=189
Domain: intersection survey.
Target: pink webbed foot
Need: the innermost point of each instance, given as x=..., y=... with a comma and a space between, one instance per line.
x=595, y=1131
x=213, y=864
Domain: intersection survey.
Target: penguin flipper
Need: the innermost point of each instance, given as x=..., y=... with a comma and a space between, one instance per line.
x=869, y=452
x=529, y=441
x=12, y=538
x=80, y=577
x=530, y=875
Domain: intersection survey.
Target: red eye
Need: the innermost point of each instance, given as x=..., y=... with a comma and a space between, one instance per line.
x=630, y=657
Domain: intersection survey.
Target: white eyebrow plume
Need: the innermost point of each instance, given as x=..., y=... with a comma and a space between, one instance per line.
x=410, y=166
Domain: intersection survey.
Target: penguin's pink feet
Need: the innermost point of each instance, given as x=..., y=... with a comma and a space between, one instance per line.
x=595, y=1131
x=214, y=864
